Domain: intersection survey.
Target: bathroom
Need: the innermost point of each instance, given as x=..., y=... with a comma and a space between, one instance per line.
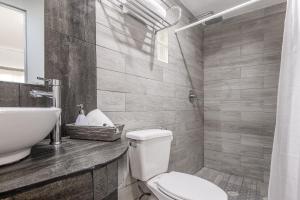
x=199, y=76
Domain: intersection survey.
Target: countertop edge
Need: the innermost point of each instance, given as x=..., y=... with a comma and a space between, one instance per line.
x=120, y=146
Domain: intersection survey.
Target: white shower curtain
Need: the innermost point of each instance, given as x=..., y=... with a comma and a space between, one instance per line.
x=285, y=168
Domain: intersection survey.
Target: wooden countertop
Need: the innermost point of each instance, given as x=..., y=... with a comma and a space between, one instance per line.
x=47, y=162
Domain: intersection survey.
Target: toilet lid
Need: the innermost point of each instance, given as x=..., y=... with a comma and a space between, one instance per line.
x=182, y=186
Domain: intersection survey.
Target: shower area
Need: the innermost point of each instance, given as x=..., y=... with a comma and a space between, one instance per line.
x=241, y=61
x=214, y=86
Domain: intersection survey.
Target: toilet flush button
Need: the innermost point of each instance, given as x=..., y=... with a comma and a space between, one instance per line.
x=133, y=144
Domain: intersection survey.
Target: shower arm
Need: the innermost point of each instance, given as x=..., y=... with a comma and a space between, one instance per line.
x=202, y=21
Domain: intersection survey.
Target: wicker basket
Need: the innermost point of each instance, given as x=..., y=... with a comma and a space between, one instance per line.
x=94, y=132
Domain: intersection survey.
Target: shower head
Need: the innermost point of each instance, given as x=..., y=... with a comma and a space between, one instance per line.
x=211, y=21
x=214, y=20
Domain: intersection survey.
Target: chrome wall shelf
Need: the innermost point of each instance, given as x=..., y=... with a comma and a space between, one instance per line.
x=141, y=12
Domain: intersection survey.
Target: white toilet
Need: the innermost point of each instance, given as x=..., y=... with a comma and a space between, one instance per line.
x=149, y=154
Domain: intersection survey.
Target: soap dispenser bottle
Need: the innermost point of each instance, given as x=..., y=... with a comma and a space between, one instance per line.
x=81, y=118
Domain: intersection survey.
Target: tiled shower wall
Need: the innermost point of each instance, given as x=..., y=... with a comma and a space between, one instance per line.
x=241, y=68
x=137, y=90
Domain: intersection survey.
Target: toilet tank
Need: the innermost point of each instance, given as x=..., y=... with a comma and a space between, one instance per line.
x=149, y=152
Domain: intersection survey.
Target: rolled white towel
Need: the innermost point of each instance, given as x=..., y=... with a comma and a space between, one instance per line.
x=98, y=118
x=81, y=120
x=155, y=7
x=152, y=5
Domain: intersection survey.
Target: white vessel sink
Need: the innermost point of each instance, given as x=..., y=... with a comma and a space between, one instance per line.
x=21, y=128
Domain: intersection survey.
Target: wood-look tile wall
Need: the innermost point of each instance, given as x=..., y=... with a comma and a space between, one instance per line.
x=70, y=52
x=137, y=90
x=241, y=69
x=15, y=95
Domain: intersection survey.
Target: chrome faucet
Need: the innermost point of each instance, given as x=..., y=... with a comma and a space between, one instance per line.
x=55, y=95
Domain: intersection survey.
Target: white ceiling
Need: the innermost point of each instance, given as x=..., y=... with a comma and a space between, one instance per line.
x=198, y=7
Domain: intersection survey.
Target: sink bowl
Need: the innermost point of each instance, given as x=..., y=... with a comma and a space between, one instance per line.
x=22, y=128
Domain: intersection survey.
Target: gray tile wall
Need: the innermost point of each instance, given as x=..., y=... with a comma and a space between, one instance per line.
x=241, y=68
x=137, y=90
x=70, y=32
x=15, y=95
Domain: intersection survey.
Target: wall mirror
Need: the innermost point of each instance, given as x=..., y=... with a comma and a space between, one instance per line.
x=21, y=41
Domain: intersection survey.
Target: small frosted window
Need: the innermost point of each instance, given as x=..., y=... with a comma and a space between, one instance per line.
x=162, y=46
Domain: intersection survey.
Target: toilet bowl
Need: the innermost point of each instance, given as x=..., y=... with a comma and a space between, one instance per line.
x=180, y=186
x=149, y=153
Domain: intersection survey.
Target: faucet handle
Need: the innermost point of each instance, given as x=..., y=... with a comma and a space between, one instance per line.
x=50, y=82
x=80, y=106
x=43, y=79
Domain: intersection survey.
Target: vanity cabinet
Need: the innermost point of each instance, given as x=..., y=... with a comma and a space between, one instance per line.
x=106, y=182
x=74, y=187
x=77, y=170
x=100, y=183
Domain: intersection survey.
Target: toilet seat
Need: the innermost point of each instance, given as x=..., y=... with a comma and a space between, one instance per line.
x=180, y=186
